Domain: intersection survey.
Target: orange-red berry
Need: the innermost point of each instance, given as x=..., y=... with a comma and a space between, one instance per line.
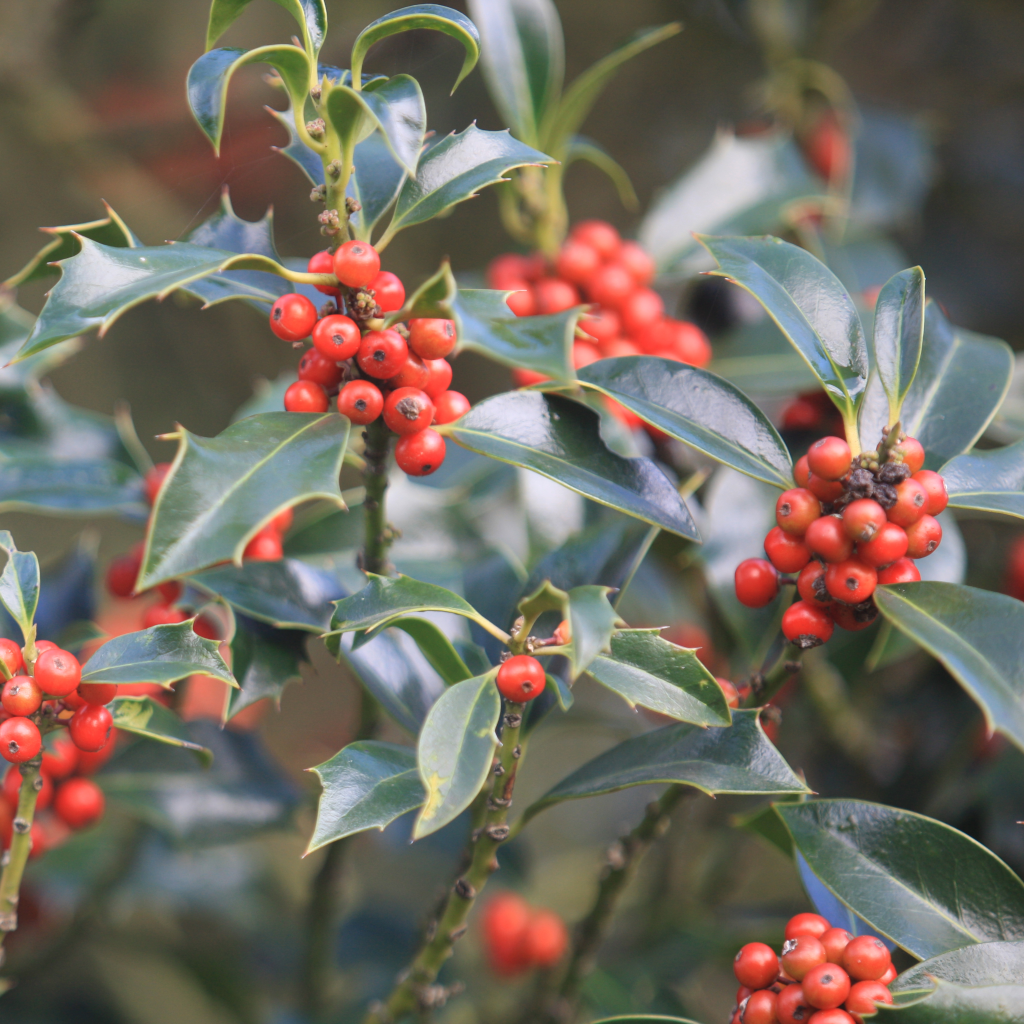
x=520, y=678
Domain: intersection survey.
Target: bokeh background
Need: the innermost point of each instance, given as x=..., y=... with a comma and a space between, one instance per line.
x=92, y=107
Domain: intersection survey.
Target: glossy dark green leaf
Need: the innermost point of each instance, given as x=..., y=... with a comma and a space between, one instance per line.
x=953, y=1004
x=374, y=184
x=430, y=16
x=454, y=170
x=644, y=1019
x=210, y=76
x=455, y=749
x=559, y=439
x=582, y=148
x=307, y=160
x=944, y=415
x=895, y=869
x=810, y=306
x=767, y=825
x=593, y=621
x=986, y=963
x=221, y=490
x=263, y=661
x=522, y=59
x=990, y=480
x=19, y=584
x=385, y=599
x=311, y=16
x=699, y=409
x=646, y=670
x=546, y=598
x=111, y=230
x=898, y=335
x=439, y=651
x=977, y=634
x=287, y=594
x=327, y=530
x=734, y=760
x=565, y=119
x=367, y=785
x=160, y=654
x=143, y=716
x=69, y=486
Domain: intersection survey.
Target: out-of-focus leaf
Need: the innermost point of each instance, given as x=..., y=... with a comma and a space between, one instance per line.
x=455, y=749
x=758, y=359
x=69, y=486
x=581, y=148
x=263, y=661
x=220, y=491
x=439, y=651
x=311, y=16
x=559, y=439
x=367, y=785
x=898, y=336
x=19, y=584
x=986, y=481
x=327, y=530
x=986, y=963
x=143, y=716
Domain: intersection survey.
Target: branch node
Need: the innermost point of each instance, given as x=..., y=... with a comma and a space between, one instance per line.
x=465, y=890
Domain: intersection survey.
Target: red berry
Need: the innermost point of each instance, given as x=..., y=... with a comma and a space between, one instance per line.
x=170, y=591
x=90, y=727
x=799, y=955
x=45, y=645
x=807, y=924
x=505, y=919
x=292, y=317
x=408, y=411
x=97, y=693
x=265, y=546
x=935, y=488
x=510, y=266
x=785, y=552
x=862, y=519
x=830, y=1016
x=757, y=582
x=91, y=761
x=57, y=672
x=74, y=701
x=577, y=261
x=801, y=414
x=618, y=348
x=155, y=477
x=806, y=625
x=796, y=509
x=913, y=453
x=162, y=615
x=20, y=740
x=360, y=401
x=521, y=300
x=122, y=573
x=449, y=406
x=305, y=396
x=760, y=1008
x=866, y=958
x=890, y=975
x=600, y=235
x=413, y=373
x=382, y=354
x=756, y=965
x=439, y=376
x=431, y=338
x=911, y=500
x=21, y=696
x=37, y=839
x=206, y=628
x=741, y=993
x=885, y=547
x=829, y=458
x=554, y=296
x=603, y=325
x=902, y=570
x=336, y=337
x=844, y=616
x=611, y=285
x=62, y=760
x=320, y=369
x=10, y=655
x=546, y=939
x=801, y=471
x=827, y=490
x=732, y=695
x=826, y=986
x=520, y=678
x=810, y=584
x=923, y=537
x=686, y=343
x=12, y=789
x=322, y=263
x=420, y=454
x=583, y=354
x=835, y=941
x=641, y=309
x=282, y=522
x=641, y=267
x=863, y=996
x=356, y=264
x=388, y=291
x=792, y=1007
x=851, y=581
x=79, y=802
x=828, y=538
x=828, y=149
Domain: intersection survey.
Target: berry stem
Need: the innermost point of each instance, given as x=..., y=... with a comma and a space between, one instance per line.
x=416, y=990
x=379, y=535
x=16, y=857
x=765, y=684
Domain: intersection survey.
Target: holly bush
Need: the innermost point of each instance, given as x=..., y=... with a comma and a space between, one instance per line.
x=293, y=527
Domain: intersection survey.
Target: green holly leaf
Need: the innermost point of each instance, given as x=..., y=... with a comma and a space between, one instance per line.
x=646, y=670
x=38, y=483
x=111, y=230
x=307, y=160
x=810, y=306
x=385, y=599
x=582, y=148
x=439, y=651
x=976, y=634
x=953, y=1004
x=454, y=170
x=375, y=182
x=210, y=76
x=19, y=585
x=522, y=58
x=899, y=335
x=944, y=415
x=545, y=598
x=644, y=1019
x=311, y=16
x=326, y=531
x=455, y=749
x=892, y=868
x=367, y=785
x=986, y=963
x=160, y=654
x=430, y=16
x=221, y=491
x=698, y=408
x=143, y=716
x=988, y=481
x=593, y=622
x=560, y=439
x=264, y=661
x=738, y=760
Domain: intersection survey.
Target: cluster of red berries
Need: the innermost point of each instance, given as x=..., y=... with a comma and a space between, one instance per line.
x=824, y=976
x=627, y=317
x=518, y=937
x=399, y=372
x=849, y=525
